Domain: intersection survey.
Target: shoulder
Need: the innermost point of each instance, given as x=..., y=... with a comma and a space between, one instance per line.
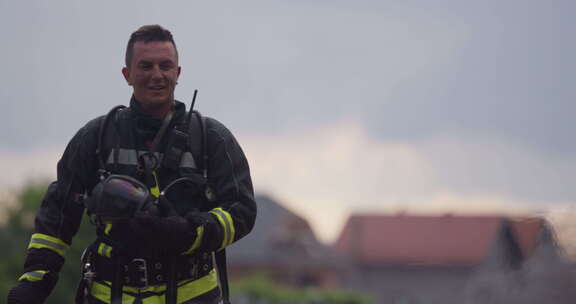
x=220, y=138
x=215, y=127
x=83, y=144
x=88, y=134
x=90, y=129
x=93, y=124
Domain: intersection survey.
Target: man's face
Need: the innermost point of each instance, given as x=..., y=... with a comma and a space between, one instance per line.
x=153, y=73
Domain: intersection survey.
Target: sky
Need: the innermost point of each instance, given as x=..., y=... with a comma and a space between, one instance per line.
x=340, y=106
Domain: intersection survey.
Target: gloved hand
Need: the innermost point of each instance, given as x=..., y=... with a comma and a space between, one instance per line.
x=26, y=292
x=174, y=234
x=154, y=235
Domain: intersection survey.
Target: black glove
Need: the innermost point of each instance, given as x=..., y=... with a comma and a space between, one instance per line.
x=174, y=234
x=32, y=292
x=154, y=235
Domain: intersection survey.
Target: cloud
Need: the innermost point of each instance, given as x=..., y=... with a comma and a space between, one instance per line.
x=327, y=172
x=342, y=105
x=20, y=166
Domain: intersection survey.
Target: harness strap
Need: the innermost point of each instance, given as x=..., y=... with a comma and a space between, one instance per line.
x=188, y=136
x=117, y=284
x=161, y=131
x=150, y=161
x=220, y=257
x=171, y=285
x=195, y=137
x=199, y=126
x=101, y=133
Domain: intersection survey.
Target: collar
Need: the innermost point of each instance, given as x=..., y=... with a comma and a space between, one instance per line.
x=147, y=125
x=179, y=111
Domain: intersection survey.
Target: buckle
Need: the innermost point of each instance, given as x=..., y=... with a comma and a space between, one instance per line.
x=138, y=273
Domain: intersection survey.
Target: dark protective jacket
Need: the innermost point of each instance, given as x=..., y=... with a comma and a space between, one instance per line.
x=223, y=220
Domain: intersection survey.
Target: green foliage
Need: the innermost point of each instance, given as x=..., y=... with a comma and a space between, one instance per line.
x=261, y=289
x=15, y=235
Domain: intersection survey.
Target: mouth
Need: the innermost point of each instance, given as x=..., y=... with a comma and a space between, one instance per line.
x=156, y=88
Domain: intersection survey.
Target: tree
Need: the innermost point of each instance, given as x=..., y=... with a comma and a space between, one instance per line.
x=15, y=236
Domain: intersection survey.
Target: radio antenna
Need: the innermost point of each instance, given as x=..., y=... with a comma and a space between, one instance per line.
x=192, y=105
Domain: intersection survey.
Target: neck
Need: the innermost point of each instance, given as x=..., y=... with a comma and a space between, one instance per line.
x=157, y=110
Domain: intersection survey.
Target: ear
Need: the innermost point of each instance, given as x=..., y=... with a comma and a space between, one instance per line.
x=126, y=73
x=178, y=73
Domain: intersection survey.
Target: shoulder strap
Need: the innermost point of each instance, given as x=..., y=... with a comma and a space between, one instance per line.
x=185, y=147
x=101, y=133
x=197, y=141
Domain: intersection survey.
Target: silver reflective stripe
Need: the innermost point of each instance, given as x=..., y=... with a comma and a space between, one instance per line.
x=47, y=243
x=125, y=157
x=227, y=228
x=187, y=161
x=35, y=274
x=129, y=157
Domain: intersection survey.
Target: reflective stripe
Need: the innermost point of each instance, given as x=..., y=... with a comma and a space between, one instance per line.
x=187, y=161
x=155, y=191
x=33, y=276
x=230, y=222
x=187, y=290
x=108, y=228
x=129, y=157
x=40, y=240
x=227, y=224
x=225, y=236
x=197, y=241
x=105, y=250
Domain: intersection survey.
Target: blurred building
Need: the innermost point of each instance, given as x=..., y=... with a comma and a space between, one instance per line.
x=442, y=259
x=412, y=259
x=283, y=245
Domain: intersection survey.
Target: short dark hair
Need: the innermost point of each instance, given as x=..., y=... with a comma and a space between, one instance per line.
x=148, y=33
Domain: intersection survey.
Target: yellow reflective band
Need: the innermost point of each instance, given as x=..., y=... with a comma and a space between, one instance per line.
x=108, y=228
x=197, y=241
x=40, y=240
x=232, y=229
x=105, y=250
x=187, y=290
x=33, y=276
x=155, y=191
x=227, y=223
x=224, y=228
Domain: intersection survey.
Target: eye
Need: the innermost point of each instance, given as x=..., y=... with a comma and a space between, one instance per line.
x=145, y=65
x=165, y=66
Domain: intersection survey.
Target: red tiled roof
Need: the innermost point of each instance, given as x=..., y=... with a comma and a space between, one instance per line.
x=442, y=240
x=527, y=231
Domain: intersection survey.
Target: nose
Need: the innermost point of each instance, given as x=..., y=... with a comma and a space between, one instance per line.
x=156, y=72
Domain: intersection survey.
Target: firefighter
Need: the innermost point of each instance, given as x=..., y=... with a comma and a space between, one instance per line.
x=167, y=189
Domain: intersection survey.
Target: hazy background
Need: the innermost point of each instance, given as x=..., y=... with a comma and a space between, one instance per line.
x=340, y=106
